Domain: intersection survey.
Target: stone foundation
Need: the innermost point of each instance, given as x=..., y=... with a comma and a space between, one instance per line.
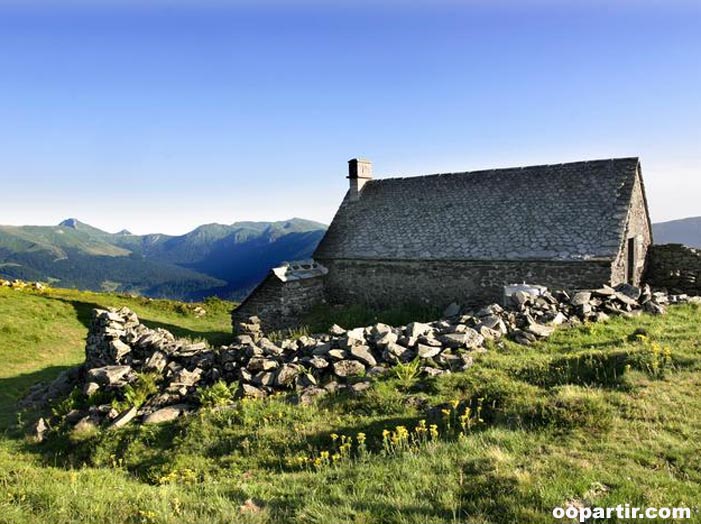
x=439, y=283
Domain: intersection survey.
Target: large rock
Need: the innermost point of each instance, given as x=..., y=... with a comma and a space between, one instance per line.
x=520, y=298
x=269, y=348
x=380, y=329
x=626, y=299
x=493, y=321
x=425, y=351
x=395, y=352
x=385, y=339
x=337, y=330
x=261, y=364
x=362, y=353
x=355, y=337
x=348, y=368
x=186, y=378
x=416, y=329
x=249, y=391
x=286, y=375
x=156, y=362
x=166, y=414
x=628, y=290
x=338, y=354
x=108, y=375
x=580, y=298
x=318, y=362
x=539, y=330
x=264, y=378
x=118, y=350
x=469, y=339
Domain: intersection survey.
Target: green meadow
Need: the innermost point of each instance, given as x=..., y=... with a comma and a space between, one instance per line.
x=598, y=415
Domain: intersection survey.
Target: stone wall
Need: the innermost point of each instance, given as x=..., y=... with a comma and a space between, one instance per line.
x=120, y=350
x=675, y=267
x=637, y=227
x=278, y=304
x=438, y=283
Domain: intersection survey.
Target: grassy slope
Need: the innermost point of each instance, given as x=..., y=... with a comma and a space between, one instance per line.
x=583, y=417
x=42, y=333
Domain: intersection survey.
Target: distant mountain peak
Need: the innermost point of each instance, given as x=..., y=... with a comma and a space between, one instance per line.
x=124, y=232
x=82, y=227
x=73, y=223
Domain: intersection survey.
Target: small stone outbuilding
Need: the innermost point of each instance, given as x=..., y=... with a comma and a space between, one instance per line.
x=460, y=237
x=286, y=293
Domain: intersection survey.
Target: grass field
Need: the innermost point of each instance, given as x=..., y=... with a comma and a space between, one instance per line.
x=602, y=414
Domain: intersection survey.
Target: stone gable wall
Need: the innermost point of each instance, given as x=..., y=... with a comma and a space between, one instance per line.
x=280, y=305
x=438, y=283
x=675, y=267
x=637, y=226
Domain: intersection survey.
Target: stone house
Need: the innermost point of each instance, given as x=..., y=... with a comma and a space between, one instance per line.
x=460, y=237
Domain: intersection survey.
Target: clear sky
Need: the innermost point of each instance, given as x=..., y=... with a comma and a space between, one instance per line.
x=161, y=118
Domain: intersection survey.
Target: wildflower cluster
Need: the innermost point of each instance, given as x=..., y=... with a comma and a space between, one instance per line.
x=146, y=517
x=658, y=358
x=400, y=439
x=462, y=420
x=342, y=448
x=179, y=476
x=403, y=440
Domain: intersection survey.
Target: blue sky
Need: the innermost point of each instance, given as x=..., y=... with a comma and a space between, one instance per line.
x=165, y=117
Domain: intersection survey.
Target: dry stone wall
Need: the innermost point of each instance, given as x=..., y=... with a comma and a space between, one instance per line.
x=121, y=351
x=675, y=267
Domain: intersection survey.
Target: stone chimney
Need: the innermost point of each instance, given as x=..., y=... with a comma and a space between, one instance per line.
x=359, y=172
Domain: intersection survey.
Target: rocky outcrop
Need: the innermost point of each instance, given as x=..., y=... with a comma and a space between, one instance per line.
x=120, y=352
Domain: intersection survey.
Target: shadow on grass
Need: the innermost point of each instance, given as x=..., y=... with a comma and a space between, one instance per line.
x=13, y=389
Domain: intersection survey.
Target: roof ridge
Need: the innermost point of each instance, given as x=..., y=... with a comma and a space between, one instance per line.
x=514, y=168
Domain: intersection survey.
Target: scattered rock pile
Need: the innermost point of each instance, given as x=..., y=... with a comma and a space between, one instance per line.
x=119, y=348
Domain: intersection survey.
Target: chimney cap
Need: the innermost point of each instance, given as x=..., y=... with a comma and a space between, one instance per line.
x=359, y=168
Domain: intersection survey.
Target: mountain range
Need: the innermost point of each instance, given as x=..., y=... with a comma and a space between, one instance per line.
x=213, y=259
x=684, y=231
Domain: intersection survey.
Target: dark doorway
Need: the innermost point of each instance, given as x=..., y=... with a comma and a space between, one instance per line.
x=631, y=261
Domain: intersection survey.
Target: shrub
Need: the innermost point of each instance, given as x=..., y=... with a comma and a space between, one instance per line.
x=407, y=373
x=218, y=394
x=75, y=400
x=137, y=393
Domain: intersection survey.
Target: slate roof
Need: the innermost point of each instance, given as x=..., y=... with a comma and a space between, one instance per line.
x=573, y=211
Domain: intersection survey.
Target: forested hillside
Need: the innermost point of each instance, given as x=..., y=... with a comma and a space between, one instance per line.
x=214, y=259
